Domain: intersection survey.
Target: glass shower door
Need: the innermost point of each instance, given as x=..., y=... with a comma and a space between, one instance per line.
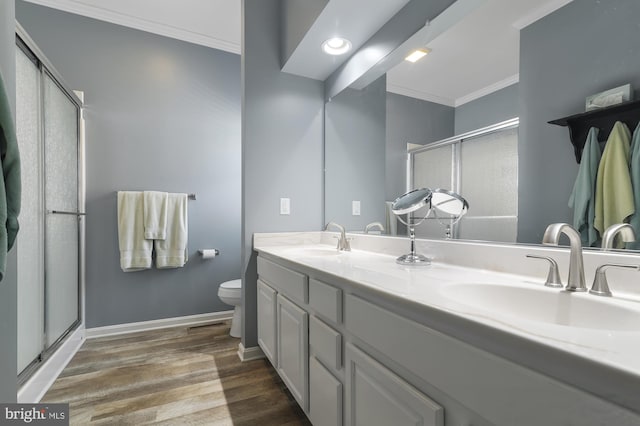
x=30, y=239
x=61, y=118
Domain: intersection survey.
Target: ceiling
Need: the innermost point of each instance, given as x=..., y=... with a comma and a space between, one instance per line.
x=477, y=56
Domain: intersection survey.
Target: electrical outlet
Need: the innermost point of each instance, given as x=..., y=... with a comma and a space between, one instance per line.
x=355, y=208
x=285, y=206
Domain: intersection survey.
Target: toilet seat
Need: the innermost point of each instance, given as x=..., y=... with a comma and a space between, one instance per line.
x=231, y=284
x=231, y=290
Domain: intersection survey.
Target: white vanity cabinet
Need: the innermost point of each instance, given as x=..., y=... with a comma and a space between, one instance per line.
x=354, y=356
x=301, y=331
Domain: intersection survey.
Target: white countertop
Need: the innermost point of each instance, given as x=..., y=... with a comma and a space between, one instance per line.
x=611, y=351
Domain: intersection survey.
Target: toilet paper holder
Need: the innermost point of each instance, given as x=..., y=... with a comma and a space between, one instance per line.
x=208, y=252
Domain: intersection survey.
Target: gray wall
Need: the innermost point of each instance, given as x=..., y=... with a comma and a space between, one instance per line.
x=297, y=18
x=581, y=49
x=354, y=150
x=282, y=137
x=490, y=109
x=411, y=120
x=160, y=114
x=8, y=286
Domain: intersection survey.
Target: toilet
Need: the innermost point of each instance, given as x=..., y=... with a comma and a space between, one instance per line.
x=230, y=292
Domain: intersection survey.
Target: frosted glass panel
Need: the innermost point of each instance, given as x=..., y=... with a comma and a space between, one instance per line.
x=501, y=229
x=30, y=239
x=489, y=174
x=432, y=168
x=431, y=228
x=61, y=194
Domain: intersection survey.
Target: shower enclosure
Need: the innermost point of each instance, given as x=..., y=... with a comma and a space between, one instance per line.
x=49, y=244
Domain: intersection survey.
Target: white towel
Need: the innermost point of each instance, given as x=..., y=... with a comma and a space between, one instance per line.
x=172, y=251
x=135, y=251
x=155, y=215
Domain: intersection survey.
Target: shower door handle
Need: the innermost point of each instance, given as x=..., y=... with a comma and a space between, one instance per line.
x=68, y=213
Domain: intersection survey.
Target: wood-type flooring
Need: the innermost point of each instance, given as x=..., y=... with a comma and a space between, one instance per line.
x=175, y=376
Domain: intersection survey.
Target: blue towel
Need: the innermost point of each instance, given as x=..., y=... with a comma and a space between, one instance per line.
x=583, y=196
x=634, y=169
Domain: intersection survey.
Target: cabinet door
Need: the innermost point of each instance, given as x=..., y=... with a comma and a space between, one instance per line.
x=376, y=396
x=267, y=321
x=293, y=349
x=325, y=396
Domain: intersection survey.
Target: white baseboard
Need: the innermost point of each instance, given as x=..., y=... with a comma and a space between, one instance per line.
x=134, y=327
x=249, y=354
x=39, y=383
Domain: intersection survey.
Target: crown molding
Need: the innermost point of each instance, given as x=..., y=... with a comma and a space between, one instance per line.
x=487, y=90
x=413, y=93
x=540, y=12
x=138, y=23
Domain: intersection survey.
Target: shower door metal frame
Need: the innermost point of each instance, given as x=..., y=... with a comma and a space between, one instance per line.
x=456, y=146
x=26, y=44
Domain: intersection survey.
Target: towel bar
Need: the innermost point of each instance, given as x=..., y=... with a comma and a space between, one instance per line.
x=191, y=196
x=63, y=212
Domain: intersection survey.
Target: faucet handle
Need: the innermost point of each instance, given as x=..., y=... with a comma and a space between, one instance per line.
x=339, y=241
x=553, y=277
x=600, y=286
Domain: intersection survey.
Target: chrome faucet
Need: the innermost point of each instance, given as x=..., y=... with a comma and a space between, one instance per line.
x=624, y=229
x=343, y=242
x=576, y=264
x=373, y=225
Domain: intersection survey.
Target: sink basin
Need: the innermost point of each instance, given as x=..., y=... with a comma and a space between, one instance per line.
x=314, y=251
x=549, y=306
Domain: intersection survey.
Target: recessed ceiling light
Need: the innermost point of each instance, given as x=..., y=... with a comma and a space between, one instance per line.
x=336, y=46
x=417, y=55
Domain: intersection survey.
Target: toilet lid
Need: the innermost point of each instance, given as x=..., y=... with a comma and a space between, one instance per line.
x=232, y=284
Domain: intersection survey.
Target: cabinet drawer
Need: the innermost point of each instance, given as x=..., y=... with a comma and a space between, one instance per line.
x=326, y=343
x=325, y=396
x=291, y=283
x=376, y=396
x=326, y=300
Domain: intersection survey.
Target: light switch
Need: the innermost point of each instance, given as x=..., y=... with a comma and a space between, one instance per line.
x=285, y=206
x=355, y=208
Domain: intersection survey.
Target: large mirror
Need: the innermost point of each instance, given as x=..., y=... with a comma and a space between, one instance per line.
x=546, y=65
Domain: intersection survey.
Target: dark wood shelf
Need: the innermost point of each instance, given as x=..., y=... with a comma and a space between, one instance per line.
x=603, y=119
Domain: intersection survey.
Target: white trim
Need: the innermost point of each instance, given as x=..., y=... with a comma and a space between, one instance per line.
x=139, y=24
x=540, y=12
x=418, y=94
x=39, y=383
x=487, y=90
x=134, y=327
x=249, y=354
